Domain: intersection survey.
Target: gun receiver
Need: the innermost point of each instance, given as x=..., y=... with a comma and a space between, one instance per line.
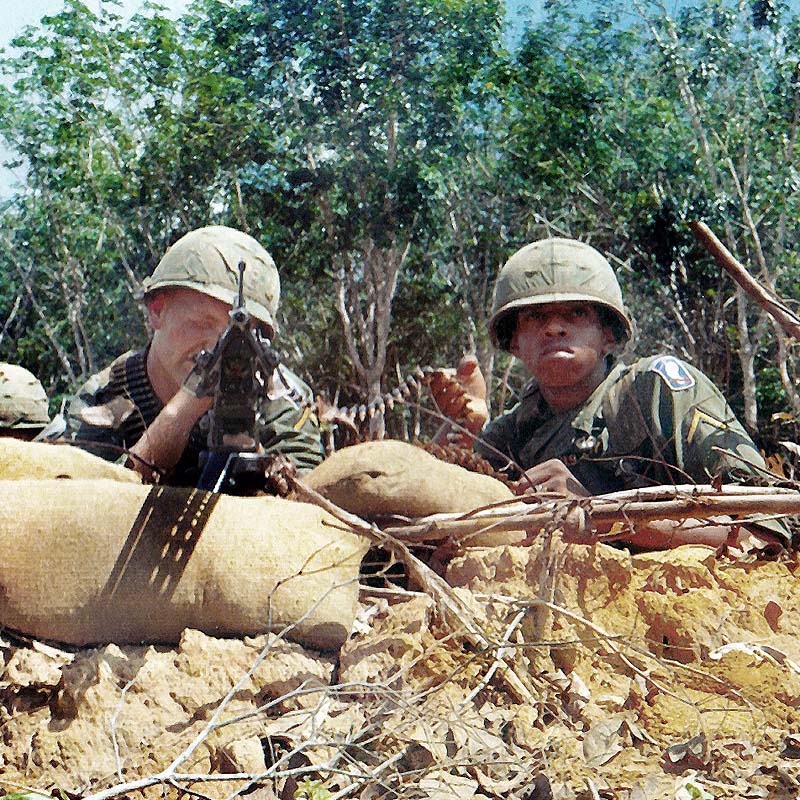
x=238, y=370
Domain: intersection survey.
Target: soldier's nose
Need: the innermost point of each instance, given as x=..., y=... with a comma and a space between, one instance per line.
x=555, y=325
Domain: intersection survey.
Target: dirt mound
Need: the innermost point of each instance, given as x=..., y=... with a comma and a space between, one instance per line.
x=564, y=671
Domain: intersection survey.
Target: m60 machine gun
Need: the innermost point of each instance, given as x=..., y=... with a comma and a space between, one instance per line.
x=237, y=372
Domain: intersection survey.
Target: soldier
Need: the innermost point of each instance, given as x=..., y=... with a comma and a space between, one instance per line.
x=23, y=403
x=142, y=408
x=588, y=424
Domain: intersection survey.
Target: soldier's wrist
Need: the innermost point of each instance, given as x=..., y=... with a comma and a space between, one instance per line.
x=187, y=407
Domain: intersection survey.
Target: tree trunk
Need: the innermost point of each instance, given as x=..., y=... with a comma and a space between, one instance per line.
x=364, y=295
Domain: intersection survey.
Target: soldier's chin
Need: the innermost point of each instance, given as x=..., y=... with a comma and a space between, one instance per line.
x=554, y=370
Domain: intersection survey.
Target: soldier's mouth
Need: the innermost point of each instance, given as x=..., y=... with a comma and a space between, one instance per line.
x=557, y=350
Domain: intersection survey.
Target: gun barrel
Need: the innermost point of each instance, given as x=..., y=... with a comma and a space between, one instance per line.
x=240, y=299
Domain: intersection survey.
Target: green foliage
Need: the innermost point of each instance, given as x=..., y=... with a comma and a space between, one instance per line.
x=311, y=790
x=324, y=129
x=348, y=111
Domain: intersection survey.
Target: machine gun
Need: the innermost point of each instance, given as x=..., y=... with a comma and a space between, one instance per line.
x=236, y=372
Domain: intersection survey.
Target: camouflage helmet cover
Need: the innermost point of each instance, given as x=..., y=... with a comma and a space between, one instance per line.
x=207, y=260
x=555, y=271
x=23, y=400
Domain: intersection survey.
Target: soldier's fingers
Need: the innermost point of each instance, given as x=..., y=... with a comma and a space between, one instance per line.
x=455, y=406
x=449, y=396
x=475, y=415
x=469, y=375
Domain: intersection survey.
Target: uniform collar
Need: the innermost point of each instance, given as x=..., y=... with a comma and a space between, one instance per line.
x=585, y=418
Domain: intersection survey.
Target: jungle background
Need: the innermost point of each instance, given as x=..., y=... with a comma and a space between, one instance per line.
x=391, y=156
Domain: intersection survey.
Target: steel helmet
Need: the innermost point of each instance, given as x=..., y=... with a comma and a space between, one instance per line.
x=554, y=271
x=207, y=260
x=23, y=400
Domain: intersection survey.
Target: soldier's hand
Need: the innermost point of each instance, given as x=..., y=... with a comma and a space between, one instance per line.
x=202, y=380
x=460, y=394
x=554, y=477
x=278, y=472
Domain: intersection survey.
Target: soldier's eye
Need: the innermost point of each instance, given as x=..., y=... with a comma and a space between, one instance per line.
x=530, y=315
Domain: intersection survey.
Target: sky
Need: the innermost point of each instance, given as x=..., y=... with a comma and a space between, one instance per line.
x=16, y=14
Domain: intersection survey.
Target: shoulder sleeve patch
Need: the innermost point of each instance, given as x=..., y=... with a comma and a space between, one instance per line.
x=673, y=373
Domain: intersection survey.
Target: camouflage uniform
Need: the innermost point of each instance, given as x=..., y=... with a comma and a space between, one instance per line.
x=112, y=409
x=115, y=407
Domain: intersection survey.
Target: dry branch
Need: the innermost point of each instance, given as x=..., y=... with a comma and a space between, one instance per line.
x=771, y=304
x=639, y=505
x=448, y=604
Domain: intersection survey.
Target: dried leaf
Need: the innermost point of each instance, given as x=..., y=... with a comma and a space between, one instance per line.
x=694, y=752
x=756, y=791
x=500, y=788
x=447, y=786
x=636, y=732
x=647, y=789
x=772, y=613
x=603, y=742
x=791, y=746
x=541, y=789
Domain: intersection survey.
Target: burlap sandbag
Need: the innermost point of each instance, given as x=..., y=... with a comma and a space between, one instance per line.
x=85, y=562
x=20, y=460
x=389, y=477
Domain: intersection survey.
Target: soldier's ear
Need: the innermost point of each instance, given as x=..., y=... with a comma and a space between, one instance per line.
x=610, y=342
x=155, y=303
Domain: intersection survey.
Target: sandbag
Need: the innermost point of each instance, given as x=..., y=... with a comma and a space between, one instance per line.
x=390, y=477
x=85, y=562
x=21, y=460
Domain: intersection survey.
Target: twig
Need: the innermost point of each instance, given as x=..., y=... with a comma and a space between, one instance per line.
x=373, y=775
x=771, y=304
x=170, y=774
x=697, y=502
x=113, y=724
x=592, y=788
x=498, y=662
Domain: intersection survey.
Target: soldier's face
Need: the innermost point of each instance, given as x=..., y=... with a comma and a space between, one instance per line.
x=184, y=322
x=563, y=345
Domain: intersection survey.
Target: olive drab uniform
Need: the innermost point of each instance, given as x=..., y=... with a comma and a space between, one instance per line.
x=658, y=421
x=112, y=409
